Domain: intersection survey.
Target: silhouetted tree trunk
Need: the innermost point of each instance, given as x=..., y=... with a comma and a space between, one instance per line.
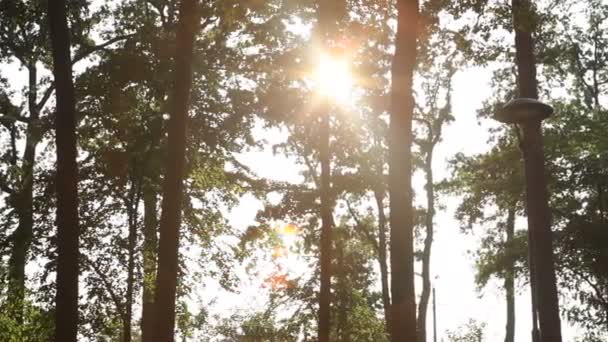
x=403, y=302
x=22, y=236
x=326, y=223
x=328, y=15
x=434, y=315
x=149, y=259
x=386, y=297
x=166, y=281
x=510, y=277
x=537, y=197
x=343, y=294
x=428, y=242
x=132, y=202
x=66, y=304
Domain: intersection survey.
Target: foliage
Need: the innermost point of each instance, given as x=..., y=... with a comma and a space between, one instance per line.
x=472, y=331
x=38, y=324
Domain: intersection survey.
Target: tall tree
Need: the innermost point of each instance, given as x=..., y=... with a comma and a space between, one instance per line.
x=435, y=113
x=23, y=37
x=328, y=14
x=149, y=249
x=170, y=222
x=490, y=180
x=542, y=268
x=66, y=303
x=403, y=296
x=326, y=227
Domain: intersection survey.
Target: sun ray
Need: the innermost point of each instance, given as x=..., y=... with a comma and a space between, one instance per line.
x=333, y=78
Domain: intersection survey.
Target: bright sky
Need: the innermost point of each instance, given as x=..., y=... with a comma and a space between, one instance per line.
x=457, y=297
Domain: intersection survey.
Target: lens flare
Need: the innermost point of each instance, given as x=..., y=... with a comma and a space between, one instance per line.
x=333, y=78
x=284, y=259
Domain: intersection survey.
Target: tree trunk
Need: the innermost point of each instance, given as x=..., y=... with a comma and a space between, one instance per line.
x=132, y=204
x=166, y=281
x=149, y=259
x=434, y=315
x=66, y=307
x=326, y=223
x=537, y=198
x=328, y=15
x=22, y=237
x=428, y=242
x=539, y=223
x=403, y=297
x=342, y=295
x=386, y=299
x=510, y=277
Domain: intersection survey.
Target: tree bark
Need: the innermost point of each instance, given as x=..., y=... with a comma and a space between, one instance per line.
x=326, y=225
x=342, y=331
x=541, y=245
x=510, y=277
x=66, y=307
x=403, y=306
x=434, y=315
x=150, y=246
x=132, y=203
x=386, y=298
x=166, y=281
x=428, y=242
x=537, y=198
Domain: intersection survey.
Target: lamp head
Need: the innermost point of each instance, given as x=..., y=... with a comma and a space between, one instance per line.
x=522, y=110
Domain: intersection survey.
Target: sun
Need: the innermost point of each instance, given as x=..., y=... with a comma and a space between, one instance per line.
x=333, y=78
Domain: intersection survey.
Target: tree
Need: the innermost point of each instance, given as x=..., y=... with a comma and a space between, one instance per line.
x=166, y=280
x=328, y=15
x=18, y=181
x=66, y=308
x=433, y=116
x=492, y=180
x=26, y=182
x=403, y=313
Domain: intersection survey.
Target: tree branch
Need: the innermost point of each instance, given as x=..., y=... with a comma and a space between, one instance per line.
x=108, y=286
x=82, y=55
x=4, y=185
x=361, y=229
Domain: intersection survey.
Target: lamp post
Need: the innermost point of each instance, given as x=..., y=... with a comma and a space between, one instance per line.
x=527, y=114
